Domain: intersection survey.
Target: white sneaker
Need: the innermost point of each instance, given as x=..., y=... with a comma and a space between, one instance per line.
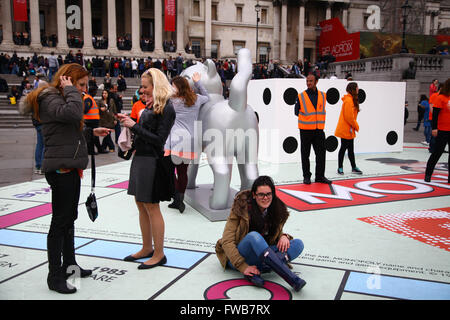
x=425, y=143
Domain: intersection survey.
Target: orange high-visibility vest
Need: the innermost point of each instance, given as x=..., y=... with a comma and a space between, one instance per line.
x=93, y=113
x=310, y=118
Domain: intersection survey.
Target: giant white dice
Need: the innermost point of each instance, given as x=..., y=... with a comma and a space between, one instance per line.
x=381, y=119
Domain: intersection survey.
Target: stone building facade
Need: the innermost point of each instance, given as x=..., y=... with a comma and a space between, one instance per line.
x=283, y=30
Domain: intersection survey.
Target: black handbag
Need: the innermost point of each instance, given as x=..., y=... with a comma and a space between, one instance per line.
x=91, y=202
x=164, y=182
x=126, y=155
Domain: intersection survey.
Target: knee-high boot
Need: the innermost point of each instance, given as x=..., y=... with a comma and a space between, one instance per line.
x=55, y=279
x=69, y=256
x=178, y=203
x=270, y=258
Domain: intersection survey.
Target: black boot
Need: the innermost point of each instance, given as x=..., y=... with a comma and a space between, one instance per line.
x=176, y=201
x=181, y=205
x=56, y=280
x=256, y=279
x=270, y=258
x=70, y=265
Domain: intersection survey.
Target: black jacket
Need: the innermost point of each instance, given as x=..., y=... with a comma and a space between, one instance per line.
x=60, y=117
x=152, y=131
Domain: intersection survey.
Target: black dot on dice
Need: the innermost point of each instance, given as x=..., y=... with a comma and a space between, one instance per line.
x=290, y=145
x=331, y=143
x=332, y=96
x=257, y=116
x=361, y=96
x=290, y=96
x=392, y=138
x=267, y=96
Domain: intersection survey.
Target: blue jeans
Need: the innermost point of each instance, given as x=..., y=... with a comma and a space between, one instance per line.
x=253, y=245
x=39, y=152
x=51, y=72
x=427, y=133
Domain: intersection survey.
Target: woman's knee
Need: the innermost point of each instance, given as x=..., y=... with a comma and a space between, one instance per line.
x=254, y=236
x=295, y=249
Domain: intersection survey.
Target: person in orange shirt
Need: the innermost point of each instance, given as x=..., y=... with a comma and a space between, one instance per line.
x=440, y=129
x=138, y=106
x=347, y=127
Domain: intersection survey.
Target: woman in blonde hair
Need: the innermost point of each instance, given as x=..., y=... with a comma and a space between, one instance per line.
x=59, y=108
x=145, y=184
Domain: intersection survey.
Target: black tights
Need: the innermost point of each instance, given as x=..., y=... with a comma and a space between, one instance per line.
x=181, y=178
x=346, y=145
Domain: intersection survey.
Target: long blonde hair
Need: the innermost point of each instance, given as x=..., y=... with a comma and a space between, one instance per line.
x=162, y=90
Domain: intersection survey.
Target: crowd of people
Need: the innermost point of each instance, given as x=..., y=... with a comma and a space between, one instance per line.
x=166, y=108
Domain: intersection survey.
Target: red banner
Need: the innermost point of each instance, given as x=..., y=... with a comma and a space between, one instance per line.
x=169, y=15
x=335, y=40
x=20, y=10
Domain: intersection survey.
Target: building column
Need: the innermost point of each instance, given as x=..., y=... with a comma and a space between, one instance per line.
x=135, y=22
x=7, y=23
x=180, y=29
x=208, y=28
x=283, y=37
x=301, y=31
x=61, y=23
x=427, y=23
x=276, y=33
x=328, y=4
x=345, y=15
x=87, y=25
x=35, y=27
x=158, y=28
x=112, y=28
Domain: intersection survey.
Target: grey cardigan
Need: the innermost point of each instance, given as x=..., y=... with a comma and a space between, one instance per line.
x=61, y=116
x=181, y=138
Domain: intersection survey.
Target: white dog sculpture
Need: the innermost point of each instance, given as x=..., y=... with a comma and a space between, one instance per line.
x=229, y=128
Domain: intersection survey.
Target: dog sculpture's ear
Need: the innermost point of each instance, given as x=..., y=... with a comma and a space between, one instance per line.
x=211, y=67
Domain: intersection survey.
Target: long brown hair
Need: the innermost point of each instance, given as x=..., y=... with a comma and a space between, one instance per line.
x=72, y=70
x=277, y=211
x=351, y=88
x=184, y=91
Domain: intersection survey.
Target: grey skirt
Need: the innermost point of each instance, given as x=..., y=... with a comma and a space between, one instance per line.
x=142, y=176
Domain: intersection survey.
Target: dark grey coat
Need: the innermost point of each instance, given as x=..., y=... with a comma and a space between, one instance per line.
x=65, y=142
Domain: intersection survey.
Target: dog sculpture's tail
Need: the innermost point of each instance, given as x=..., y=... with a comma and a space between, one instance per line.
x=238, y=87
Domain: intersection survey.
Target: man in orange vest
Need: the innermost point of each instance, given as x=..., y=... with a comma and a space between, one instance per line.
x=310, y=109
x=92, y=119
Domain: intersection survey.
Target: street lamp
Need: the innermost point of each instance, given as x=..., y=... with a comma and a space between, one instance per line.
x=318, y=31
x=405, y=11
x=257, y=9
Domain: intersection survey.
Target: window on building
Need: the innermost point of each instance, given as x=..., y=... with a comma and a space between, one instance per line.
x=238, y=14
x=196, y=48
x=196, y=8
x=238, y=45
x=214, y=49
x=148, y=4
x=214, y=12
x=264, y=16
x=263, y=53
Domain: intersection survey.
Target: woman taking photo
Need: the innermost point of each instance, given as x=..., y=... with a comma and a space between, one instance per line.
x=107, y=109
x=180, y=144
x=347, y=127
x=253, y=240
x=59, y=108
x=151, y=132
